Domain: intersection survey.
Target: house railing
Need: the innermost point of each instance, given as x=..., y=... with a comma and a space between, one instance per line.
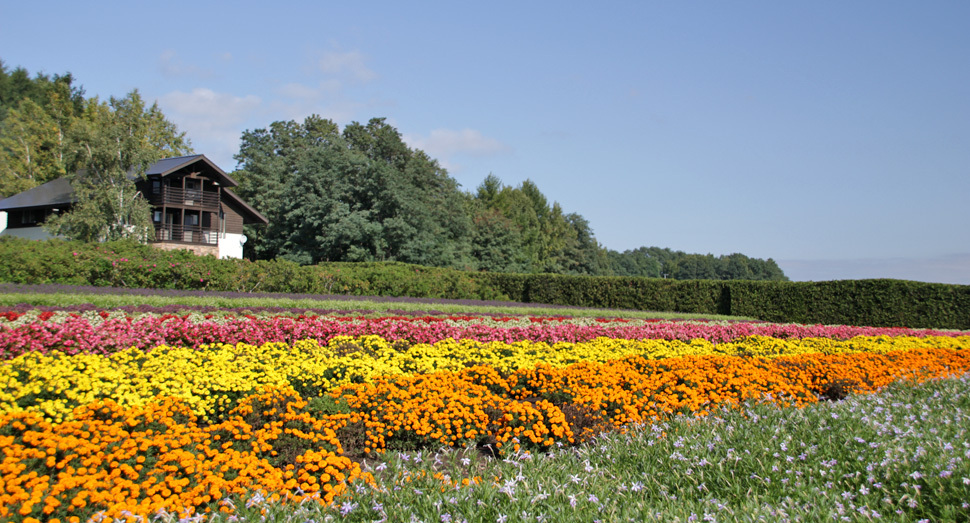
x=186, y=234
x=190, y=197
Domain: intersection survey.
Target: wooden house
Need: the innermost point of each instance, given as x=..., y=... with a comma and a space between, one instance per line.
x=192, y=207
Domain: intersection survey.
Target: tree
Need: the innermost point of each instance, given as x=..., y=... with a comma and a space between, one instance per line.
x=696, y=267
x=110, y=147
x=268, y=162
x=586, y=255
x=360, y=195
x=637, y=262
x=736, y=267
x=35, y=117
x=49, y=130
x=31, y=146
x=516, y=206
x=320, y=217
x=496, y=243
x=551, y=241
x=488, y=190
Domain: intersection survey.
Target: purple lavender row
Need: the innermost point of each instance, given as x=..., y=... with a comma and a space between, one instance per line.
x=138, y=310
x=87, y=289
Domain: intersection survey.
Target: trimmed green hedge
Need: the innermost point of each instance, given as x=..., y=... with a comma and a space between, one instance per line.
x=854, y=302
x=131, y=265
x=877, y=303
x=881, y=303
x=611, y=292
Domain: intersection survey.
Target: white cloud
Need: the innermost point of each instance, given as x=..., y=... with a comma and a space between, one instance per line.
x=213, y=121
x=345, y=63
x=447, y=142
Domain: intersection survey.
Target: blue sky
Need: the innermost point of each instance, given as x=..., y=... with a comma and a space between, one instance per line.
x=833, y=137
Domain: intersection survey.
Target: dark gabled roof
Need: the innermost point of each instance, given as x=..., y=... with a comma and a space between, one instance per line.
x=51, y=194
x=251, y=215
x=59, y=192
x=168, y=166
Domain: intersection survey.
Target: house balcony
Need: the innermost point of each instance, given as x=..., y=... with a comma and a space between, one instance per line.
x=186, y=234
x=194, y=198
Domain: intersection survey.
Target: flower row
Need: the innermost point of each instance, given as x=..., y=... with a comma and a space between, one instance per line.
x=213, y=378
x=103, y=332
x=119, y=460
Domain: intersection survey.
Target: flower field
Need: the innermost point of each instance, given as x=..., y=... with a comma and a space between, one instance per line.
x=116, y=414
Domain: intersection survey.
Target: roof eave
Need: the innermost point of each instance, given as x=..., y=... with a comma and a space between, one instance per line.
x=224, y=179
x=256, y=215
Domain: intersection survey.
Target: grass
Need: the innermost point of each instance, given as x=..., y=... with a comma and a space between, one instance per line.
x=375, y=305
x=900, y=455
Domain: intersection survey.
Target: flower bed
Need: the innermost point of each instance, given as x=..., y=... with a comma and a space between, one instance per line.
x=211, y=379
x=98, y=427
x=104, y=332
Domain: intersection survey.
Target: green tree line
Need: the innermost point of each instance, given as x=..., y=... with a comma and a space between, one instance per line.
x=361, y=194
x=655, y=262
x=354, y=194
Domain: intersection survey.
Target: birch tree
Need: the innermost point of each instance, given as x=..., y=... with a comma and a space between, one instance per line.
x=109, y=149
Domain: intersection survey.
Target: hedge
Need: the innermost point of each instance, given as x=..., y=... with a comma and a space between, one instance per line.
x=878, y=303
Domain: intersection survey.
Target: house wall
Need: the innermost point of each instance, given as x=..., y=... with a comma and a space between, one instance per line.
x=198, y=249
x=231, y=245
x=233, y=219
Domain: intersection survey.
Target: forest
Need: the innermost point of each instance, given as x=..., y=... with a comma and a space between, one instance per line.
x=354, y=194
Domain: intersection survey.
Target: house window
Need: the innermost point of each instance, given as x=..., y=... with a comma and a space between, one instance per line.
x=191, y=219
x=28, y=217
x=156, y=186
x=157, y=216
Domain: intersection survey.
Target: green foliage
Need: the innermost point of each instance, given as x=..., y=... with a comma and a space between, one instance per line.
x=133, y=265
x=704, y=297
x=878, y=302
x=653, y=262
x=130, y=264
x=636, y=262
x=850, y=302
x=496, y=243
x=544, y=239
x=357, y=195
x=17, y=85
x=110, y=146
x=756, y=462
x=268, y=162
x=362, y=195
x=35, y=116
